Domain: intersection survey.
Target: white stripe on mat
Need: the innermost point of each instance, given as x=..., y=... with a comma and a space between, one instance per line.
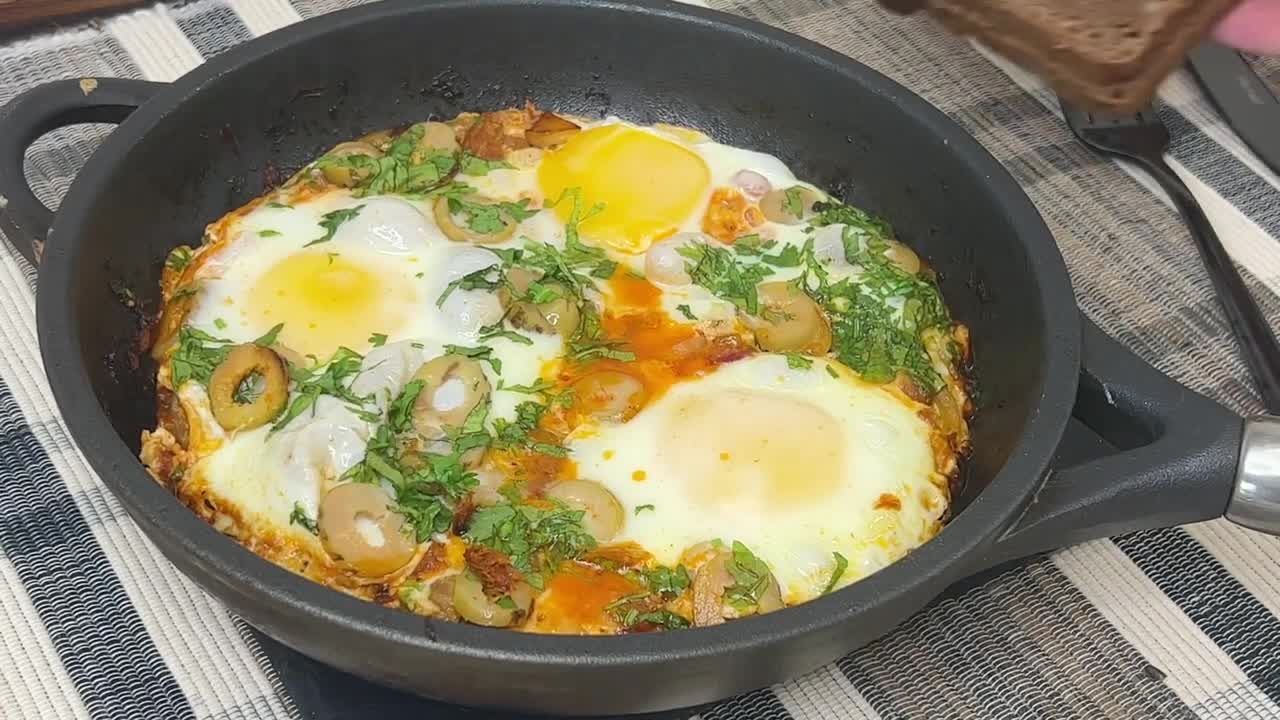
x=155, y=44
x=206, y=655
x=33, y=678
x=1197, y=670
x=1248, y=244
x=824, y=694
x=263, y=16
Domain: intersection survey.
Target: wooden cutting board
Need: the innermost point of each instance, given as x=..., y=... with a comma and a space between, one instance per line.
x=19, y=13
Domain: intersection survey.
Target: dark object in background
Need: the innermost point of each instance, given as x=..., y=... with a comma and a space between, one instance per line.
x=18, y=14
x=1100, y=54
x=285, y=97
x=1143, y=139
x=1248, y=105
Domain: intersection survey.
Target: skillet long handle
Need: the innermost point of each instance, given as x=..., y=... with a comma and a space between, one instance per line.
x=1175, y=461
x=1257, y=341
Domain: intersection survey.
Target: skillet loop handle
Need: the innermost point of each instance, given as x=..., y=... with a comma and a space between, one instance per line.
x=1175, y=458
x=24, y=219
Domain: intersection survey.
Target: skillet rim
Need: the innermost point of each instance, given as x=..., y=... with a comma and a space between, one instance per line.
x=225, y=562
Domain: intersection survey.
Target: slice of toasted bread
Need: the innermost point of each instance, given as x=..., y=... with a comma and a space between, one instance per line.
x=1107, y=55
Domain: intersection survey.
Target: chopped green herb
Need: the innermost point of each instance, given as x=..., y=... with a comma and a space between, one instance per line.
x=589, y=343
x=752, y=245
x=483, y=354
x=331, y=220
x=668, y=581
x=279, y=205
x=751, y=578
x=199, y=353
x=793, y=201
x=472, y=165
x=716, y=269
x=268, y=233
x=490, y=218
x=269, y=337
x=686, y=312
x=832, y=372
x=249, y=389
x=796, y=361
x=334, y=378
x=331, y=257
x=842, y=564
x=505, y=602
x=788, y=256
x=517, y=434
x=409, y=593
x=220, y=323
x=377, y=339
x=420, y=275
x=179, y=258
x=641, y=508
x=537, y=539
x=300, y=518
x=495, y=331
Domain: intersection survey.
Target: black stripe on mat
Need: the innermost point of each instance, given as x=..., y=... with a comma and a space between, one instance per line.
x=1218, y=604
x=1026, y=644
x=96, y=631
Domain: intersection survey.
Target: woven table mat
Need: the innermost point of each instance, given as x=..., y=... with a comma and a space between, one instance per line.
x=1176, y=623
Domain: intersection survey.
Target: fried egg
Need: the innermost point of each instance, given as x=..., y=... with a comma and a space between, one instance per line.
x=794, y=463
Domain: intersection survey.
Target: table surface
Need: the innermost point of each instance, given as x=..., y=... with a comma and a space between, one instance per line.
x=1176, y=623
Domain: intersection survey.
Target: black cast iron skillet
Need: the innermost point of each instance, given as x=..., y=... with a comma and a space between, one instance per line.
x=188, y=152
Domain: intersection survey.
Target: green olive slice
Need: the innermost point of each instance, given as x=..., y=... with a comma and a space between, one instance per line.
x=472, y=605
x=609, y=395
x=461, y=233
x=359, y=529
x=249, y=388
x=603, y=515
x=343, y=174
x=782, y=206
x=452, y=387
x=558, y=316
x=436, y=138
x=790, y=321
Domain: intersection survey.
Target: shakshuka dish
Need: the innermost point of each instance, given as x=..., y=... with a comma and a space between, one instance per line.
x=527, y=370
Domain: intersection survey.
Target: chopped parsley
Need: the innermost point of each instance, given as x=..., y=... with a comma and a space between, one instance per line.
x=842, y=564
x=495, y=331
x=472, y=165
x=482, y=354
x=409, y=593
x=269, y=233
x=668, y=582
x=629, y=617
x=717, y=270
x=589, y=342
x=793, y=201
x=751, y=578
x=300, y=518
x=378, y=339
x=519, y=433
x=427, y=486
x=537, y=539
x=832, y=372
x=331, y=220
x=179, y=258
x=686, y=312
x=279, y=205
x=405, y=168
x=487, y=218
x=641, y=508
x=199, y=353
x=334, y=378
x=878, y=317
x=220, y=323
x=796, y=361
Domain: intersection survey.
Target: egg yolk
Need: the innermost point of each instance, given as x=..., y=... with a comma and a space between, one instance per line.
x=729, y=454
x=326, y=302
x=647, y=184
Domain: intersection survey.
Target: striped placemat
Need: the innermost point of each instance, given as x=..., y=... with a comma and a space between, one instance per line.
x=1178, y=623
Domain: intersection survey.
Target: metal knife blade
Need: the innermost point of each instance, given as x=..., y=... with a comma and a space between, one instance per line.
x=1243, y=99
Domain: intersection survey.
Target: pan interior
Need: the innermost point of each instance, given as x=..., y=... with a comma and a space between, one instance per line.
x=245, y=131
